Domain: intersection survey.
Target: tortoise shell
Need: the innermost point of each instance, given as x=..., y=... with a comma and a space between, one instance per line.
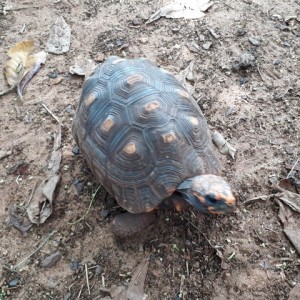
x=141, y=132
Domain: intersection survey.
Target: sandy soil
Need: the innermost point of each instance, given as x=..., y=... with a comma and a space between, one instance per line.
x=242, y=256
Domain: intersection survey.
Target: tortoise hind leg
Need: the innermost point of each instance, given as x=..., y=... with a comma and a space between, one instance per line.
x=127, y=224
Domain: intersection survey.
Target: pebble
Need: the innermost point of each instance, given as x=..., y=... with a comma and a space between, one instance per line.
x=254, y=41
x=67, y=296
x=143, y=40
x=175, y=29
x=213, y=33
x=13, y=282
x=51, y=260
x=98, y=270
x=52, y=75
x=79, y=185
x=105, y=213
x=246, y=60
x=70, y=110
x=136, y=22
x=100, y=57
x=75, y=150
x=206, y=45
x=74, y=265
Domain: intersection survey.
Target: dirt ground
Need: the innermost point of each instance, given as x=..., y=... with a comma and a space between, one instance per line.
x=254, y=104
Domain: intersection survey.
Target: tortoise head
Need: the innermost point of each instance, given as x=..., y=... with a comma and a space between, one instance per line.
x=208, y=194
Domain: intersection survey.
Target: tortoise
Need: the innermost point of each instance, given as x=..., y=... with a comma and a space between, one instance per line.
x=148, y=143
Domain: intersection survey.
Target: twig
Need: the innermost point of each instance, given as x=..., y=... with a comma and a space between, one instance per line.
x=51, y=113
x=87, y=278
x=80, y=292
x=103, y=281
x=89, y=208
x=39, y=247
x=261, y=76
x=181, y=286
x=289, y=87
x=215, y=247
x=262, y=197
x=22, y=7
x=293, y=167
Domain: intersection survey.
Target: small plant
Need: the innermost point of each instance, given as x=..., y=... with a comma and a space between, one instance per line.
x=2, y=294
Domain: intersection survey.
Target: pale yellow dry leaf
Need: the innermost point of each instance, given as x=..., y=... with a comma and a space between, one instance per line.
x=21, y=61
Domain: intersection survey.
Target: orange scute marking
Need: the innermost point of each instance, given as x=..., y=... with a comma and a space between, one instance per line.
x=130, y=148
x=201, y=199
x=89, y=99
x=169, y=137
x=107, y=124
x=179, y=205
x=152, y=105
x=229, y=200
x=134, y=78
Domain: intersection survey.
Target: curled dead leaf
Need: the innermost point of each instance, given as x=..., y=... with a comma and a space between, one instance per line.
x=83, y=67
x=187, y=9
x=40, y=207
x=22, y=65
x=17, y=220
x=55, y=160
x=223, y=146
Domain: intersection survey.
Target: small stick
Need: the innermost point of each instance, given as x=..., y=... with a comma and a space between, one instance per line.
x=293, y=167
x=89, y=208
x=51, y=113
x=87, y=278
x=40, y=246
x=80, y=292
x=103, y=280
x=263, y=198
x=22, y=7
x=215, y=247
x=187, y=268
x=23, y=28
x=181, y=286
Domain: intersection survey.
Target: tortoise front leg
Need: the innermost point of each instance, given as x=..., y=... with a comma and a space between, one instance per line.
x=128, y=224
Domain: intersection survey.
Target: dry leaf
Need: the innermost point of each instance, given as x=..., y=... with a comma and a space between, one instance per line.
x=135, y=288
x=22, y=65
x=291, y=224
x=20, y=222
x=83, y=67
x=187, y=75
x=37, y=204
x=188, y=9
x=223, y=146
x=55, y=160
x=291, y=199
x=50, y=187
x=5, y=153
x=59, y=38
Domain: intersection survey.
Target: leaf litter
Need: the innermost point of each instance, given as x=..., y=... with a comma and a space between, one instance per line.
x=41, y=205
x=135, y=289
x=187, y=9
x=223, y=146
x=22, y=66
